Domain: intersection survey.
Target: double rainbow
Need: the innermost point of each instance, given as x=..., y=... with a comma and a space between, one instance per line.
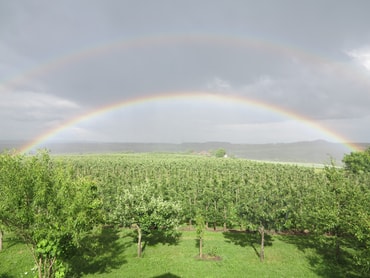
x=53, y=64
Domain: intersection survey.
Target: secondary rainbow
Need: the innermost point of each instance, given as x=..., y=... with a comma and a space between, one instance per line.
x=83, y=53
x=189, y=95
x=98, y=49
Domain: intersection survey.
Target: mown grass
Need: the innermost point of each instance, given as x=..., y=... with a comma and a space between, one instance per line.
x=285, y=256
x=15, y=259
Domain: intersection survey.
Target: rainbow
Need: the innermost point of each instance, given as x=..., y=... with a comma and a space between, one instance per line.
x=53, y=64
x=191, y=95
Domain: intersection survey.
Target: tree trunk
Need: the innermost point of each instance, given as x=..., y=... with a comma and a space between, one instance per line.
x=262, y=252
x=39, y=268
x=214, y=223
x=201, y=247
x=139, y=243
x=225, y=218
x=1, y=240
x=207, y=217
x=337, y=250
x=337, y=247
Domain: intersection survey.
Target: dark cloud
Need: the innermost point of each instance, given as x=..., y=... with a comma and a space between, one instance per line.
x=59, y=60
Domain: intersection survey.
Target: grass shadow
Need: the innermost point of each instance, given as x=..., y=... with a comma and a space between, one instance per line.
x=11, y=240
x=322, y=255
x=14, y=255
x=161, y=237
x=166, y=275
x=6, y=276
x=209, y=253
x=197, y=245
x=247, y=238
x=100, y=253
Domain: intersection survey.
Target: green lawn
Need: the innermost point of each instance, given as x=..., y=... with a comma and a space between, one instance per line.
x=285, y=256
x=15, y=259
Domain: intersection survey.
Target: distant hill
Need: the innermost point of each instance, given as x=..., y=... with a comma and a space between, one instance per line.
x=317, y=152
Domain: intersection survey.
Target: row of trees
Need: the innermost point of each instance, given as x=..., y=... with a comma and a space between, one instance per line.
x=53, y=204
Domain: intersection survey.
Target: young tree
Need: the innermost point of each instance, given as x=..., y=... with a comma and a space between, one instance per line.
x=140, y=208
x=48, y=207
x=263, y=208
x=200, y=232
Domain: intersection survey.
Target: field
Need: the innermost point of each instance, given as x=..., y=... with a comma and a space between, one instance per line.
x=286, y=256
x=115, y=215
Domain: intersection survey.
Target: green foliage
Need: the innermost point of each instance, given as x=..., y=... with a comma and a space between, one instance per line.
x=200, y=226
x=220, y=152
x=331, y=205
x=358, y=162
x=139, y=207
x=47, y=207
x=337, y=211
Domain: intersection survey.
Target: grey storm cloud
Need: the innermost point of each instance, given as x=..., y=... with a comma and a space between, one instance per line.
x=59, y=60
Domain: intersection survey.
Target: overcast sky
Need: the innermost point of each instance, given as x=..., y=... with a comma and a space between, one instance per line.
x=62, y=59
